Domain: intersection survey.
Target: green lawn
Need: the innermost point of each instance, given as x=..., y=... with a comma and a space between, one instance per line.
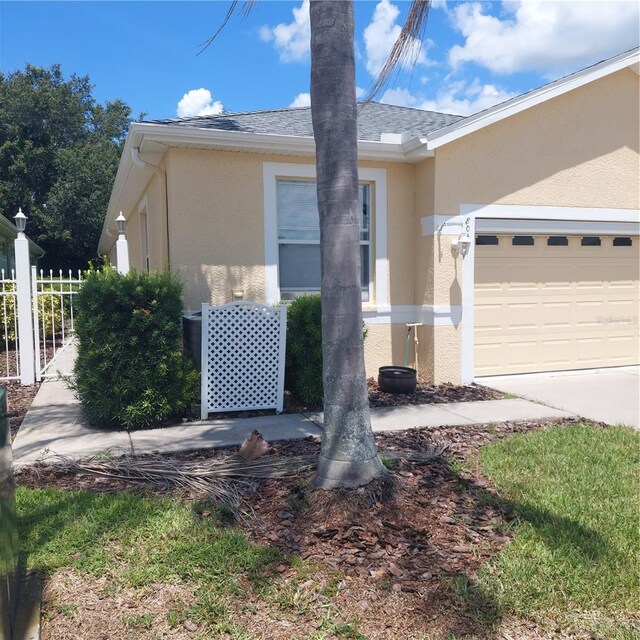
x=574, y=558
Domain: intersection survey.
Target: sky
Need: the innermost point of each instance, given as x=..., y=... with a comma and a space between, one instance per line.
x=473, y=55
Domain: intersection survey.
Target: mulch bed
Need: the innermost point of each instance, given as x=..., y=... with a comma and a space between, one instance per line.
x=19, y=400
x=400, y=550
x=424, y=394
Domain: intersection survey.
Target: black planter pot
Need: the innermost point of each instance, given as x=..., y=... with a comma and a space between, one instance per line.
x=397, y=379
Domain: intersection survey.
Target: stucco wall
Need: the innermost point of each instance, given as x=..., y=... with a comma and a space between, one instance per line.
x=577, y=150
x=216, y=226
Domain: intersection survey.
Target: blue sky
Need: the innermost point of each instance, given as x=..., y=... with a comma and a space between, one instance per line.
x=475, y=54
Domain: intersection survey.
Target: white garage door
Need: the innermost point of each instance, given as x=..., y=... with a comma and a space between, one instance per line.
x=549, y=303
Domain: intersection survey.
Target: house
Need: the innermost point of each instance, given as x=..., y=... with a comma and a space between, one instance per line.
x=541, y=192
x=8, y=233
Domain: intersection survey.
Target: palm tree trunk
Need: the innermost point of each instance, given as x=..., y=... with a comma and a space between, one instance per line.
x=348, y=457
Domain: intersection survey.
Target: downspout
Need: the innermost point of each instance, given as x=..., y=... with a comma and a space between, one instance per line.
x=141, y=164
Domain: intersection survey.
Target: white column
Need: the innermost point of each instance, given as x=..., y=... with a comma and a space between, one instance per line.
x=122, y=247
x=122, y=254
x=25, y=320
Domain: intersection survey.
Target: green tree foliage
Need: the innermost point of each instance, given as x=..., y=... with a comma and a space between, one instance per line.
x=130, y=371
x=59, y=152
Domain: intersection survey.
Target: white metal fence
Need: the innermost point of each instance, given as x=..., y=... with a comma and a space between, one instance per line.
x=10, y=361
x=53, y=321
x=243, y=351
x=51, y=303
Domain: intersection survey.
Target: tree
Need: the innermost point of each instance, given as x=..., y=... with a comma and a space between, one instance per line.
x=348, y=457
x=59, y=152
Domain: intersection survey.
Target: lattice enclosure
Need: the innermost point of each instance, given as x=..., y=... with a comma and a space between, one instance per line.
x=243, y=349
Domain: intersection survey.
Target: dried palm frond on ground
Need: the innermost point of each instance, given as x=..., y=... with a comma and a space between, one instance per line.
x=219, y=479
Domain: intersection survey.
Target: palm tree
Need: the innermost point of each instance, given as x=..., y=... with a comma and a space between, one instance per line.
x=348, y=457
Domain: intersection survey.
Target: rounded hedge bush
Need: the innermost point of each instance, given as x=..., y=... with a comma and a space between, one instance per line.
x=130, y=371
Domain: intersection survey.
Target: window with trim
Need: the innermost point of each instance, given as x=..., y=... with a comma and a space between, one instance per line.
x=299, y=237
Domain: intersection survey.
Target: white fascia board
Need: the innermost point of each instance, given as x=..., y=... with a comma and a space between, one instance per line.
x=122, y=177
x=532, y=98
x=261, y=142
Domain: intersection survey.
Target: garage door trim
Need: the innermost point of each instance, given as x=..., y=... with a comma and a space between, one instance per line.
x=536, y=218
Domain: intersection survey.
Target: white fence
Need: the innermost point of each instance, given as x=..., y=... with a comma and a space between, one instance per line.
x=53, y=320
x=51, y=307
x=243, y=352
x=10, y=361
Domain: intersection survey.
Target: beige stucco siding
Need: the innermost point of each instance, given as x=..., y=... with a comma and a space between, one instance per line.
x=216, y=224
x=577, y=150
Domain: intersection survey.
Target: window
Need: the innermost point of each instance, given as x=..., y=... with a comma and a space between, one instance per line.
x=484, y=240
x=557, y=241
x=590, y=241
x=622, y=242
x=299, y=237
x=522, y=241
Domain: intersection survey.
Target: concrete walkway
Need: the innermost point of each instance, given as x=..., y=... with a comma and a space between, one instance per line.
x=54, y=423
x=605, y=395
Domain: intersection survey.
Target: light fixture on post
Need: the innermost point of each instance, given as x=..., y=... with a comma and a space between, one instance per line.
x=122, y=247
x=121, y=223
x=21, y=221
x=462, y=244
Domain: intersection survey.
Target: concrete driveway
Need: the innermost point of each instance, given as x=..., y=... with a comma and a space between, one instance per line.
x=607, y=395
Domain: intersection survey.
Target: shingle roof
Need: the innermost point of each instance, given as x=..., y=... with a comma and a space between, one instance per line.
x=374, y=119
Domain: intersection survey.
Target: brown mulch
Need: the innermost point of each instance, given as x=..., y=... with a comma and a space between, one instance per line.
x=430, y=394
x=19, y=400
x=387, y=556
x=424, y=394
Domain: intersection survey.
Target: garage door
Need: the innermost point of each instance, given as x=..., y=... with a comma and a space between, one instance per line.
x=549, y=303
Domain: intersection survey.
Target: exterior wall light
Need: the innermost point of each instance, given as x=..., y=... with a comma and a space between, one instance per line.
x=238, y=295
x=121, y=223
x=462, y=244
x=21, y=221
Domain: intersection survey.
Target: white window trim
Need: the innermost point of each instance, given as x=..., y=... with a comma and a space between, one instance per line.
x=143, y=209
x=600, y=221
x=271, y=171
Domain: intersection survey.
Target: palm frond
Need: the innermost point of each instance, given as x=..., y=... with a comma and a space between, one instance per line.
x=413, y=30
x=247, y=5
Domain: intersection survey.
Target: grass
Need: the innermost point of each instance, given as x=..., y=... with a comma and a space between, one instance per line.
x=137, y=541
x=574, y=558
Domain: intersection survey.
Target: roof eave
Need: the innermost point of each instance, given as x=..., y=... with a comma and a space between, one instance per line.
x=179, y=136
x=511, y=107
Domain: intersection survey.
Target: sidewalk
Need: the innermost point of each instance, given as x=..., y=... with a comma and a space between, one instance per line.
x=54, y=422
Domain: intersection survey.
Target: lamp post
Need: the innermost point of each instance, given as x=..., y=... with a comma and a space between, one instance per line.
x=122, y=247
x=23, y=295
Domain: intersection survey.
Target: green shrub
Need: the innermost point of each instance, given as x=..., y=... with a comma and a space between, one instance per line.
x=303, y=373
x=130, y=371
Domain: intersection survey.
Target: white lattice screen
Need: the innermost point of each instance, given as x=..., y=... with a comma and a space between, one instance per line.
x=243, y=349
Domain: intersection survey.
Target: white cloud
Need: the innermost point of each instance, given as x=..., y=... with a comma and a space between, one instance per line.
x=291, y=40
x=461, y=98
x=198, y=102
x=550, y=36
x=304, y=99
x=301, y=100
x=381, y=34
